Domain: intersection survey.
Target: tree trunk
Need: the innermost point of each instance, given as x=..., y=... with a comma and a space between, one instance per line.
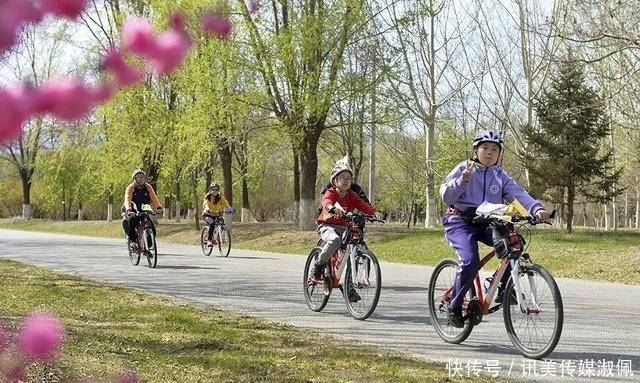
x=25, y=177
x=246, y=211
x=196, y=205
x=227, y=175
x=296, y=187
x=570, y=200
x=178, y=202
x=309, y=169
x=430, y=206
x=110, y=208
x=80, y=212
x=372, y=149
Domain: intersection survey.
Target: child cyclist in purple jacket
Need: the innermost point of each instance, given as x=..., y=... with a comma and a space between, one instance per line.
x=465, y=188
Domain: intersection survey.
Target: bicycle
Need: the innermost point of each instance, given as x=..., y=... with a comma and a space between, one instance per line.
x=362, y=280
x=535, y=315
x=145, y=237
x=221, y=235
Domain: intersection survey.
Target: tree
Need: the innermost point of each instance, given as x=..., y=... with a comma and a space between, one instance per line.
x=298, y=54
x=34, y=62
x=569, y=144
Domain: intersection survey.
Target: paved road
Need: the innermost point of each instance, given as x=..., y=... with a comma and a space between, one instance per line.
x=602, y=320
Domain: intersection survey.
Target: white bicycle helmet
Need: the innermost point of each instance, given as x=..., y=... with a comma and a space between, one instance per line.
x=487, y=136
x=137, y=171
x=339, y=168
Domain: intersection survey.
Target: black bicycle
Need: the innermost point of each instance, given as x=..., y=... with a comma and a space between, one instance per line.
x=145, y=243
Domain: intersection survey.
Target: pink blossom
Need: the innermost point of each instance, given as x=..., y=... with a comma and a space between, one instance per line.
x=14, y=13
x=40, y=336
x=15, y=373
x=137, y=36
x=214, y=23
x=171, y=47
x=67, y=8
x=125, y=74
x=176, y=20
x=16, y=105
x=128, y=378
x=254, y=7
x=69, y=99
x=3, y=339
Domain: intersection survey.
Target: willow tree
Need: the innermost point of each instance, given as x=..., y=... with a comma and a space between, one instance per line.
x=298, y=49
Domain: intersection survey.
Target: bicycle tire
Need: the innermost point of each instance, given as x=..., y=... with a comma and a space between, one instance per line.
x=204, y=237
x=535, y=335
x=151, y=251
x=367, y=285
x=134, y=256
x=224, y=240
x=315, y=295
x=442, y=280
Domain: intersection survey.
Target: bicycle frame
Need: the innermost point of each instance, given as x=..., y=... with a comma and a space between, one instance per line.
x=352, y=242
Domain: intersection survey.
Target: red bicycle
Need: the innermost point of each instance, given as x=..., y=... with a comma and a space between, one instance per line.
x=362, y=279
x=531, y=301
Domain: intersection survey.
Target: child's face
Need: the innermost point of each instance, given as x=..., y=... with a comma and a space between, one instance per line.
x=343, y=181
x=488, y=153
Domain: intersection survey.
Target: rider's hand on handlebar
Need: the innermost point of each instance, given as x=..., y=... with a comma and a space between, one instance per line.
x=339, y=212
x=542, y=215
x=379, y=216
x=159, y=210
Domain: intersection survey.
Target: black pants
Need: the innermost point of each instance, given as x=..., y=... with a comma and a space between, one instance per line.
x=129, y=226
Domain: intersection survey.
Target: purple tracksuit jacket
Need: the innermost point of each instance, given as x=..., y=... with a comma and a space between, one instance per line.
x=489, y=184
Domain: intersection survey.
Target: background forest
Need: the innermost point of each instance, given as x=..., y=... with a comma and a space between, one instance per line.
x=399, y=86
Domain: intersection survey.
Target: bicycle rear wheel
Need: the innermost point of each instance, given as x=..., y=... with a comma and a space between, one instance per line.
x=224, y=240
x=536, y=332
x=361, y=295
x=204, y=239
x=440, y=285
x=316, y=295
x=150, y=248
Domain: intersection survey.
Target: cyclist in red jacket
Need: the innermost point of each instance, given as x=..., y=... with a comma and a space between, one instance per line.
x=336, y=202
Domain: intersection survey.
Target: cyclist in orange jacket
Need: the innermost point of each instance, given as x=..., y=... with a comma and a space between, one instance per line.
x=139, y=192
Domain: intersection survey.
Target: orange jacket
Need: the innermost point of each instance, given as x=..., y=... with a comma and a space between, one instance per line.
x=152, y=198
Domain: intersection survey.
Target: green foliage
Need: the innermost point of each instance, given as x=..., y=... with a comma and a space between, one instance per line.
x=568, y=150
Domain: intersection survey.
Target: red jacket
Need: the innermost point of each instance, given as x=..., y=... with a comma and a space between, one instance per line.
x=349, y=203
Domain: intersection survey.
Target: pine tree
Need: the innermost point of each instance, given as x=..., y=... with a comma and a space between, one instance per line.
x=569, y=156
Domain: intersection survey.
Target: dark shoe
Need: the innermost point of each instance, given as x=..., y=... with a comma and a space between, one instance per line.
x=455, y=317
x=353, y=296
x=315, y=274
x=500, y=296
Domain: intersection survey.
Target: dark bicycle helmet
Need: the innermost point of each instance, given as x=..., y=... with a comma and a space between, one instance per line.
x=137, y=171
x=487, y=136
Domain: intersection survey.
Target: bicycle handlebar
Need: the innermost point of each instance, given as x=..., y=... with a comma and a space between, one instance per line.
x=530, y=219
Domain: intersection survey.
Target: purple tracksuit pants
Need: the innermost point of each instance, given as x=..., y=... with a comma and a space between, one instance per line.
x=464, y=238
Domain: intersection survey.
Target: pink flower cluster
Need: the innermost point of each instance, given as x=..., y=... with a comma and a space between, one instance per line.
x=39, y=338
x=69, y=98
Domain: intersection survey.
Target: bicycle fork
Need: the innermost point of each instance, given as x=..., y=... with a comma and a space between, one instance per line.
x=515, y=271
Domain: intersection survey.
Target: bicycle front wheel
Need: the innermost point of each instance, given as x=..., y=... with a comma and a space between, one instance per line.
x=207, y=248
x=535, y=332
x=440, y=290
x=134, y=256
x=224, y=240
x=361, y=295
x=315, y=294
x=150, y=248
